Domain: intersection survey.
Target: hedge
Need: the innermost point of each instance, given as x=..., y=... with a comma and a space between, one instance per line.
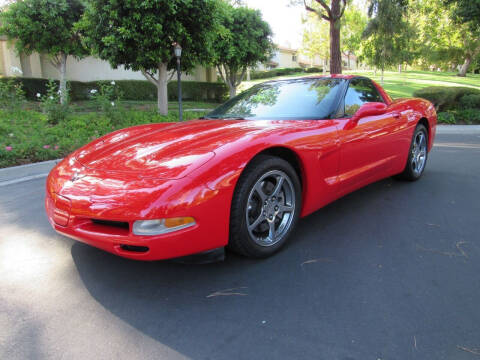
x=313, y=70
x=450, y=98
x=274, y=72
x=471, y=101
x=132, y=89
x=467, y=116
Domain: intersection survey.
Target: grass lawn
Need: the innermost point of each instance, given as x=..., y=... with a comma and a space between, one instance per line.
x=398, y=85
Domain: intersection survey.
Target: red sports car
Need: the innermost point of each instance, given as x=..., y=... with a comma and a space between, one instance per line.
x=241, y=176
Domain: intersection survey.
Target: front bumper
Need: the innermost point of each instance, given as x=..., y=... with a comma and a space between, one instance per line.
x=104, y=219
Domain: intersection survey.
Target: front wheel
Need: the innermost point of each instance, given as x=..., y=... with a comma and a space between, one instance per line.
x=417, y=156
x=265, y=207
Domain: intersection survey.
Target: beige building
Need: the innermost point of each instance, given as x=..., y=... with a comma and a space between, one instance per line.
x=87, y=69
x=286, y=57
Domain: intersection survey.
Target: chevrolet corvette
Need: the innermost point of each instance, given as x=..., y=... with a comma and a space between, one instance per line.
x=241, y=176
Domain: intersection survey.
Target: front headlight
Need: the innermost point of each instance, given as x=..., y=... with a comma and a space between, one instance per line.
x=161, y=226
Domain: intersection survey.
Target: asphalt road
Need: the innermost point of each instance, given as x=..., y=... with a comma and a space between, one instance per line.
x=389, y=272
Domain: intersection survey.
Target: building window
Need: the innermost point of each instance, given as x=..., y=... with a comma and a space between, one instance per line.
x=294, y=58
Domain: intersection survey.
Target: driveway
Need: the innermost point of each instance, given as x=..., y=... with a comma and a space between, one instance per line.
x=391, y=271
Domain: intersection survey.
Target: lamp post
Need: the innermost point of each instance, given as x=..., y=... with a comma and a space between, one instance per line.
x=178, y=53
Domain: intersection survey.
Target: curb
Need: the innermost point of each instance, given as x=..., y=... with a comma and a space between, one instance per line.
x=458, y=129
x=22, y=173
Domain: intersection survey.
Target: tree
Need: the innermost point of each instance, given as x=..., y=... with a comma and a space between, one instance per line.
x=332, y=14
x=384, y=33
x=244, y=41
x=315, y=41
x=467, y=12
x=48, y=27
x=353, y=23
x=442, y=38
x=140, y=34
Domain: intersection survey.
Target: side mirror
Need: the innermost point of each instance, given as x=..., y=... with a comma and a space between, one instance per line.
x=370, y=109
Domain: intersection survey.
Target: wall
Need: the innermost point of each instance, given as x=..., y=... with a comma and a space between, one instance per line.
x=87, y=69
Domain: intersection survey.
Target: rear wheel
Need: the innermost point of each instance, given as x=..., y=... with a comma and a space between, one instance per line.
x=417, y=156
x=265, y=207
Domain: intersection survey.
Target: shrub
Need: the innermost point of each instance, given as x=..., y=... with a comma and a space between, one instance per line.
x=26, y=136
x=313, y=70
x=446, y=118
x=275, y=72
x=471, y=101
x=130, y=89
x=51, y=106
x=107, y=99
x=137, y=90
x=445, y=98
x=467, y=116
x=30, y=86
x=198, y=91
x=12, y=95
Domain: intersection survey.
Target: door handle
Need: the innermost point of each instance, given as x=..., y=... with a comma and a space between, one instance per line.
x=396, y=115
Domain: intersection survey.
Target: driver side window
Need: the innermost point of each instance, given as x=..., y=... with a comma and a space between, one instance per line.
x=360, y=91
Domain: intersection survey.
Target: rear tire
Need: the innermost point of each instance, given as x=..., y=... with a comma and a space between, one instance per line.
x=417, y=155
x=265, y=207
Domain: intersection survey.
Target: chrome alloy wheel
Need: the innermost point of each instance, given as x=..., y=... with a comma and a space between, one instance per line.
x=419, y=153
x=270, y=208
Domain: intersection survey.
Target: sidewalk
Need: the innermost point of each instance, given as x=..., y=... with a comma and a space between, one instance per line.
x=17, y=174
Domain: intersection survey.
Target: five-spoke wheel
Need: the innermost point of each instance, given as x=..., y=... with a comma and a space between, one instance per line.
x=270, y=208
x=419, y=153
x=265, y=207
x=417, y=156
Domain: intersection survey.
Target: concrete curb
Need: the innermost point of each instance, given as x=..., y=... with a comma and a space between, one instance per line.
x=458, y=129
x=18, y=174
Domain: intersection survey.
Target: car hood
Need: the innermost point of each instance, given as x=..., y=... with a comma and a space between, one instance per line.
x=169, y=151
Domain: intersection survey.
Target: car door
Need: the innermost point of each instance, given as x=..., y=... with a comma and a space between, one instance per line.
x=368, y=145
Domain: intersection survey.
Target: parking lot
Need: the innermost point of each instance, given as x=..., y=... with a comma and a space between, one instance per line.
x=391, y=271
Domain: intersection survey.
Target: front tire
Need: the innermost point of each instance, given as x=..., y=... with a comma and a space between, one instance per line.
x=265, y=207
x=417, y=155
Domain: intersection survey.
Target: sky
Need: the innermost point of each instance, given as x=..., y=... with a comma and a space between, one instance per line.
x=285, y=20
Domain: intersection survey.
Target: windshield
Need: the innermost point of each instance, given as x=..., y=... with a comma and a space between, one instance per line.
x=300, y=99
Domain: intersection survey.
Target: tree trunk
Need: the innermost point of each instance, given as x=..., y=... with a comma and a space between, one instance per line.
x=399, y=68
x=63, y=78
x=335, y=54
x=162, y=92
x=348, y=61
x=381, y=76
x=374, y=71
x=233, y=90
x=463, y=70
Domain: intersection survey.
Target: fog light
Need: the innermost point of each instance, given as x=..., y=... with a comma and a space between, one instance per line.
x=161, y=226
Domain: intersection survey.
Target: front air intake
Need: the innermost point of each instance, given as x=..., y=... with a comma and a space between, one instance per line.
x=116, y=224
x=132, y=248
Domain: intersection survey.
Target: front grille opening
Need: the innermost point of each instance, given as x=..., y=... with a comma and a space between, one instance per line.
x=132, y=248
x=117, y=224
